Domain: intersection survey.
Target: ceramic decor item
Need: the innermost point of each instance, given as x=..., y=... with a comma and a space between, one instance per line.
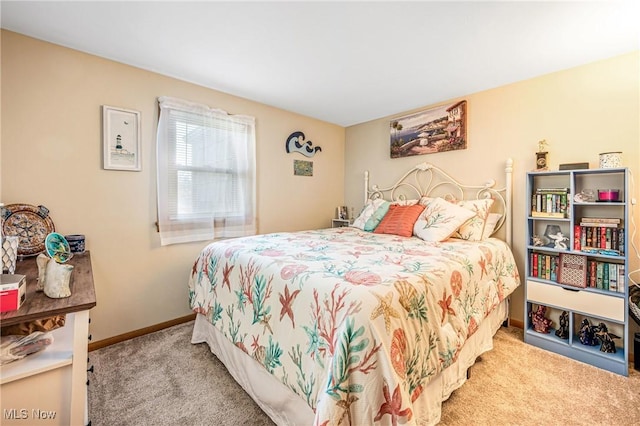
x=31, y=224
x=610, y=160
x=76, y=242
x=9, y=254
x=57, y=247
x=57, y=280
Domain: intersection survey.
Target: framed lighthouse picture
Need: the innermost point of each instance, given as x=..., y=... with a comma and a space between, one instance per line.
x=120, y=139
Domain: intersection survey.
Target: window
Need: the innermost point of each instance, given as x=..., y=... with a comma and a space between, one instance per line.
x=206, y=173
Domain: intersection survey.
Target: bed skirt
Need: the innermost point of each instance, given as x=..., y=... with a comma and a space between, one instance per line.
x=286, y=408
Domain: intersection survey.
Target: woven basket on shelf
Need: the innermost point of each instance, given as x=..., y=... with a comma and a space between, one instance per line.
x=634, y=300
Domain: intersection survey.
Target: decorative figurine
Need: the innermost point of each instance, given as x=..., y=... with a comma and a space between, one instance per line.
x=541, y=156
x=541, y=324
x=563, y=331
x=588, y=333
x=606, y=338
x=538, y=241
x=558, y=241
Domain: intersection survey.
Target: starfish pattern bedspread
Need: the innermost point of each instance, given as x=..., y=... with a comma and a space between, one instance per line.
x=355, y=323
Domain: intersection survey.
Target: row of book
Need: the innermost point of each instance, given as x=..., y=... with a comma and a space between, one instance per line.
x=606, y=276
x=599, y=234
x=543, y=266
x=602, y=275
x=550, y=202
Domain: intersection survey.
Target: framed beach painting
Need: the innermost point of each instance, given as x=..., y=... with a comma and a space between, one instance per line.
x=439, y=129
x=121, y=139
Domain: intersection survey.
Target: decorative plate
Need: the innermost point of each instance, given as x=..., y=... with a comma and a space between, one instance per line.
x=57, y=247
x=30, y=223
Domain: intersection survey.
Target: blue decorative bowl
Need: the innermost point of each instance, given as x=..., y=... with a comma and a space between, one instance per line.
x=57, y=247
x=76, y=242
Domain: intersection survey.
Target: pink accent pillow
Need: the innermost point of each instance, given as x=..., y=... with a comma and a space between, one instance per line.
x=399, y=220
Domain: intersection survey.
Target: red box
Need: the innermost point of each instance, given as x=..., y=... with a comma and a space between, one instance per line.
x=13, y=292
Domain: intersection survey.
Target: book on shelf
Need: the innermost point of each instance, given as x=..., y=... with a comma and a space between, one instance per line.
x=622, y=279
x=599, y=224
x=599, y=270
x=558, y=190
x=613, y=277
x=606, y=276
x=547, y=267
x=552, y=201
x=548, y=214
x=594, y=238
x=601, y=219
x=543, y=266
x=572, y=270
x=577, y=235
x=591, y=274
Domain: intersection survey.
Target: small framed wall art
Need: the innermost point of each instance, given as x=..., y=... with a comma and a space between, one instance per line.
x=120, y=139
x=302, y=168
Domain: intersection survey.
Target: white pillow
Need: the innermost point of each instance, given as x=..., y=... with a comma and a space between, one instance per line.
x=473, y=230
x=490, y=225
x=367, y=211
x=440, y=219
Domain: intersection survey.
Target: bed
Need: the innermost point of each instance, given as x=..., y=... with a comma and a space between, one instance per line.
x=363, y=324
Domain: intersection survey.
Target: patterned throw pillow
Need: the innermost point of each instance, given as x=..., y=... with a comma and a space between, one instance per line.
x=490, y=225
x=473, y=230
x=440, y=219
x=399, y=220
x=367, y=211
x=376, y=217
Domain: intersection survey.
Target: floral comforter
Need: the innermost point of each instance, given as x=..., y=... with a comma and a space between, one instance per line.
x=353, y=322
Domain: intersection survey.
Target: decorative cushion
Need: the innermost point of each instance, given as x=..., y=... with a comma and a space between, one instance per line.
x=473, y=230
x=406, y=202
x=399, y=220
x=367, y=211
x=376, y=217
x=440, y=219
x=490, y=225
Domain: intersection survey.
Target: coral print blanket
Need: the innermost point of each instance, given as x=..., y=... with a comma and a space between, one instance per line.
x=353, y=322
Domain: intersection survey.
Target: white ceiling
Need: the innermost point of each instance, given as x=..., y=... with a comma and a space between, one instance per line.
x=343, y=62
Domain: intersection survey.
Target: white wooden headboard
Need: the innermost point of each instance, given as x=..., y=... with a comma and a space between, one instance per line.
x=428, y=180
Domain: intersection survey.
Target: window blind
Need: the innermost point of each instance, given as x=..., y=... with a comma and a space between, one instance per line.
x=206, y=173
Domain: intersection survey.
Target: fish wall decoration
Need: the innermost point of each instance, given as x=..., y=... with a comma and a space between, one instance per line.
x=296, y=143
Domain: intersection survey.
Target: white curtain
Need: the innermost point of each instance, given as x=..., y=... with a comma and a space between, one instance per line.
x=206, y=173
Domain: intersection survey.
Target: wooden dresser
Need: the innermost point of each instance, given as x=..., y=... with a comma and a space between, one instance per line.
x=50, y=387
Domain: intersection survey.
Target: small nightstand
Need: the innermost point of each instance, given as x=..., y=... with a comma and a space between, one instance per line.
x=338, y=223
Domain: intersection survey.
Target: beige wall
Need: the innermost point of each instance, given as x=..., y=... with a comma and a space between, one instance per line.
x=581, y=112
x=51, y=155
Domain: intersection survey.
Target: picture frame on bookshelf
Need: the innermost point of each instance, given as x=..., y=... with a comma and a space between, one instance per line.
x=572, y=270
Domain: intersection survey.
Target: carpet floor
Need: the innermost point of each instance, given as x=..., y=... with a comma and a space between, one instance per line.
x=162, y=379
